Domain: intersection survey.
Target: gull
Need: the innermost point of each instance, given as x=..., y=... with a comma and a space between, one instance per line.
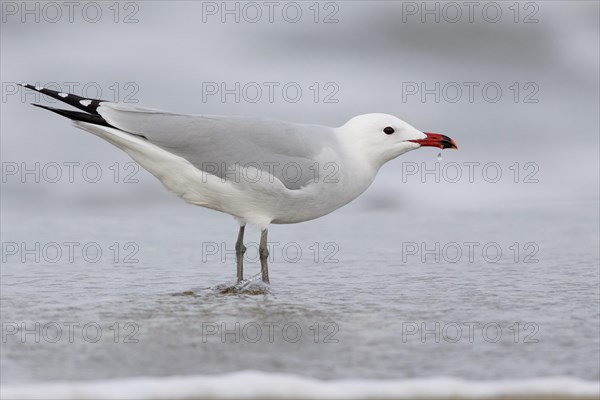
x=260, y=171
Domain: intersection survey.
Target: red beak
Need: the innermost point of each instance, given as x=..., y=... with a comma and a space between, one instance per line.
x=436, y=140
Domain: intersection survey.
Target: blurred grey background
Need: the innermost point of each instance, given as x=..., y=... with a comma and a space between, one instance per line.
x=162, y=54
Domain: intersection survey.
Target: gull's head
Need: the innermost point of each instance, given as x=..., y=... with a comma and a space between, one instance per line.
x=382, y=137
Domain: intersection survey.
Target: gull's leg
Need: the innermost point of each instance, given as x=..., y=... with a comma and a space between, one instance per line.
x=264, y=253
x=240, y=249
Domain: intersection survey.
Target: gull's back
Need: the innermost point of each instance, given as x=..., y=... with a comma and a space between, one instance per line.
x=221, y=145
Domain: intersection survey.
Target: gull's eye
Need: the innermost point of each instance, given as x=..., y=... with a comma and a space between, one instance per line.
x=388, y=130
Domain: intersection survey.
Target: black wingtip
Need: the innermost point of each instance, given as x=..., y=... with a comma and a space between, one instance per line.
x=81, y=103
x=76, y=115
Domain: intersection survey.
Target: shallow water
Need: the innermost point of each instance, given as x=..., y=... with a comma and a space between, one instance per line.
x=357, y=307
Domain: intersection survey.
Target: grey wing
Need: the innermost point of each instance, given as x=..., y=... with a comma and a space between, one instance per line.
x=227, y=146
